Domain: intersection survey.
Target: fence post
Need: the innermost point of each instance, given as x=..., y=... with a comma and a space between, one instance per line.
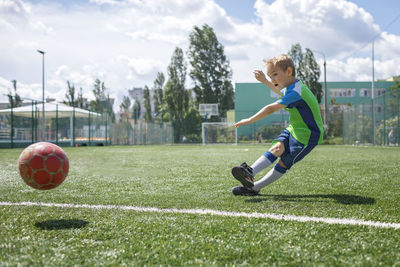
x=355, y=123
x=106, y=129
x=32, y=126
x=384, y=119
x=73, y=126
x=56, y=124
x=362, y=124
x=12, y=122
x=398, y=117
x=36, y=122
x=89, y=130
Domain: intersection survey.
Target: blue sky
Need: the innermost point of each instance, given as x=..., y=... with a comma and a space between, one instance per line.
x=383, y=11
x=126, y=42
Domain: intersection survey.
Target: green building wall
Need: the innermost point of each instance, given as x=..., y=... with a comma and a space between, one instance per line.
x=251, y=97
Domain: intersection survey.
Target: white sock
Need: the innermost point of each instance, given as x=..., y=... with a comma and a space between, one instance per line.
x=274, y=174
x=263, y=162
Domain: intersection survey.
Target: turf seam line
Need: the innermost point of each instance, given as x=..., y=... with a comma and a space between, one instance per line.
x=279, y=217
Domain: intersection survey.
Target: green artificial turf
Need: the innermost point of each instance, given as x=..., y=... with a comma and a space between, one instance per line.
x=333, y=181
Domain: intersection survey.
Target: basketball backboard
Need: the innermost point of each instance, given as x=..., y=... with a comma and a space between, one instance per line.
x=208, y=109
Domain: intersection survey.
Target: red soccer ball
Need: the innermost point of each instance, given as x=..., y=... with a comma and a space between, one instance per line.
x=43, y=165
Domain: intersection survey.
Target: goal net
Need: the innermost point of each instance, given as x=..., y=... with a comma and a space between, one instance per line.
x=218, y=133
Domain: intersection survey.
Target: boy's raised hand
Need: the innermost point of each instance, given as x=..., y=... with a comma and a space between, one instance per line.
x=260, y=76
x=242, y=122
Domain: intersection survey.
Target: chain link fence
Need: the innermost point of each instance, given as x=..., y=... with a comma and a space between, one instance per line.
x=70, y=126
x=359, y=126
x=141, y=133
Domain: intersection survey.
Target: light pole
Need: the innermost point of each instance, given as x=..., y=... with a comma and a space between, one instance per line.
x=43, y=119
x=325, y=94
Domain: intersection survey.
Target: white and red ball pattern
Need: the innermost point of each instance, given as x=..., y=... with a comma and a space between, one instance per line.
x=43, y=165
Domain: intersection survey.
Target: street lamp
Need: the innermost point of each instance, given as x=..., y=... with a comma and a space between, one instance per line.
x=43, y=127
x=325, y=93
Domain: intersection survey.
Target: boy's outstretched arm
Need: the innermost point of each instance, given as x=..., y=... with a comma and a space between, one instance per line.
x=260, y=76
x=264, y=112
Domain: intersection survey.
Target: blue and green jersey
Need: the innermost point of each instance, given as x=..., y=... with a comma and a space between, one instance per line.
x=304, y=115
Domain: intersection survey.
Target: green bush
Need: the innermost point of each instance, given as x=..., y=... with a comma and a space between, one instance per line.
x=270, y=131
x=193, y=138
x=333, y=141
x=244, y=138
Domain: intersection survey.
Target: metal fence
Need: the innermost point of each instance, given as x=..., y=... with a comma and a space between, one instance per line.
x=141, y=133
x=69, y=126
x=382, y=127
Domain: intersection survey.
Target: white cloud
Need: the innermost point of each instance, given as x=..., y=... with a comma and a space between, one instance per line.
x=334, y=26
x=125, y=43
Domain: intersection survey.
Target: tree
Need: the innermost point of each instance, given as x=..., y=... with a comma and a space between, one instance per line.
x=14, y=101
x=99, y=92
x=80, y=103
x=147, y=104
x=158, y=95
x=73, y=101
x=124, y=108
x=211, y=72
x=307, y=69
x=191, y=126
x=102, y=102
x=136, y=110
x=396, y=85
x=175, y=96
x=70, y=95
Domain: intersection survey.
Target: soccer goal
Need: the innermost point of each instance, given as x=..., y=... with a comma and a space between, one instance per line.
x=218, y=133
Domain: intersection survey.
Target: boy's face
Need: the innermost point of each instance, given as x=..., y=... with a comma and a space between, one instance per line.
x=279, y=77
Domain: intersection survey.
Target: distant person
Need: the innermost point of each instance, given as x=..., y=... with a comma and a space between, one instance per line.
x=259, y=138
x=304, y=133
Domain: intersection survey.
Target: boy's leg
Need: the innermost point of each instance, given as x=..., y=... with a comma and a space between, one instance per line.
x=245, y=174
x=248, y=188
x=269, y=157
x=263, y=162
x=297, y=152
x=274, y=174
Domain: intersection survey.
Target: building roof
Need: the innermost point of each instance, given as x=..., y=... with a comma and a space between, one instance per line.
x=51, y=110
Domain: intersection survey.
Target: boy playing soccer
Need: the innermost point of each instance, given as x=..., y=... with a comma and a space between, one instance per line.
x=304, y=132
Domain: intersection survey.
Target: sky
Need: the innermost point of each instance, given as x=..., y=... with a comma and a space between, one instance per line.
x=124, y=43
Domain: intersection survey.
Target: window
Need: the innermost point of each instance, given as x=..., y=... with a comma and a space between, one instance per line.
x=366, y=92
x=368, y=108
x=342, y=92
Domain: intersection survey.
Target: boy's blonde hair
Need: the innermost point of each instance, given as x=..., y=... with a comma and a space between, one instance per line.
x=283, y=62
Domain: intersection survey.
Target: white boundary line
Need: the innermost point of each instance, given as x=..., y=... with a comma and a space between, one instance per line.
x=279, y=217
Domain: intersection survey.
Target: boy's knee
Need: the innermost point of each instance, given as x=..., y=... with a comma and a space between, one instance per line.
x=278, y=149
x=280, y=162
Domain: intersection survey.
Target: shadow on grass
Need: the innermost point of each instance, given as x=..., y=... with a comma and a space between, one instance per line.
x=340, y=198
x=61, y=224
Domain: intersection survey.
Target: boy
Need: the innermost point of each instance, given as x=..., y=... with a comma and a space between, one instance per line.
x=304, y=132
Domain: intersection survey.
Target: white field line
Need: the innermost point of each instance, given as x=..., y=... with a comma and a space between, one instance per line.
x=279, y=217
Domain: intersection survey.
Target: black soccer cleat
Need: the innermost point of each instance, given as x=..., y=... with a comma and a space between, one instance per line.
x=243, y=191
x=244, y=174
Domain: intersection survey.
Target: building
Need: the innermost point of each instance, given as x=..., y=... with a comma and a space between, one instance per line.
x=251, y=97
